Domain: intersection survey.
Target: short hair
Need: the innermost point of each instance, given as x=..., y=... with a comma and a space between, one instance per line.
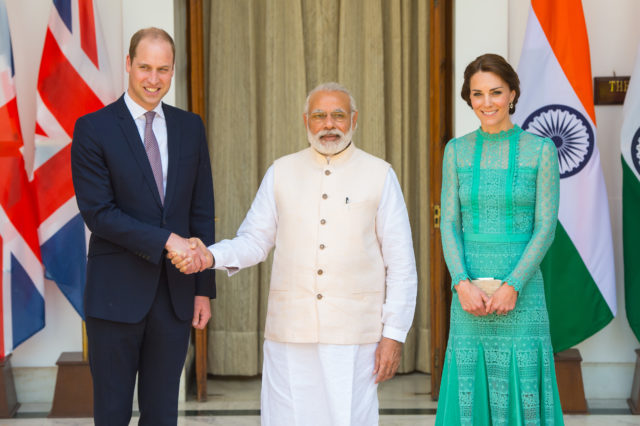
x=490, y=62
x=153, y=33
x=331, y=87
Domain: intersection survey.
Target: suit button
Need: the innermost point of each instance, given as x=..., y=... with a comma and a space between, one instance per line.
x=327, y=172
x=325, y=196
x=322, y=222
x=319, y=296
x=164, y=222
x=322, y=246
x=319, y=271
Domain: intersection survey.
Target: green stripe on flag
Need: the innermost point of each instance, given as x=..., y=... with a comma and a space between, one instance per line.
x=576, y=307
x=631, y=246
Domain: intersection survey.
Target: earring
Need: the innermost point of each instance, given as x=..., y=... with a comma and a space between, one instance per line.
x=510, y=106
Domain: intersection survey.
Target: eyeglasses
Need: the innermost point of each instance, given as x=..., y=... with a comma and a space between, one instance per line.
x=321, y=116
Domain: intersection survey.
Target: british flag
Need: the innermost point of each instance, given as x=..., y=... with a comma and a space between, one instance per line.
x=22, y=279
x=74, y=79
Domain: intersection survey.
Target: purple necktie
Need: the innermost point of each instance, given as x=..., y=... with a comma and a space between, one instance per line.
x=153, y=152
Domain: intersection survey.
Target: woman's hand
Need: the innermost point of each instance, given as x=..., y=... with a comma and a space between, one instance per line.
x=472, y=299
x=503, y=300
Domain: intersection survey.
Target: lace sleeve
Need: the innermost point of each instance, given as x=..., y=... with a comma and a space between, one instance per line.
x=546, y=215
x=451, y=219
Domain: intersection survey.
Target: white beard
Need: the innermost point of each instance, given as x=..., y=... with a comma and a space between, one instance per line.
x=329, y=148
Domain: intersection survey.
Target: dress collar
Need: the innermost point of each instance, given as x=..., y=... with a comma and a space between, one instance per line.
x=504, y=134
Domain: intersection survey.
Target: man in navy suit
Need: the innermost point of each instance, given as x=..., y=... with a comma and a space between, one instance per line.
x=142, y=177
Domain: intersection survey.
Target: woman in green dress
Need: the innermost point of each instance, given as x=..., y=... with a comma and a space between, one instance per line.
x=500, y=192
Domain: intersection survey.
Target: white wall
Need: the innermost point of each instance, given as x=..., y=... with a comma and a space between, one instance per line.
x=479, y=27
x=614, y=35
x=28, y=22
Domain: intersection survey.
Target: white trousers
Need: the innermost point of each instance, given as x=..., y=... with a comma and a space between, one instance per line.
x=309, y=384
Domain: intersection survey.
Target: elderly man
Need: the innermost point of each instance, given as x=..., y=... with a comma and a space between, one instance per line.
x=343, y=284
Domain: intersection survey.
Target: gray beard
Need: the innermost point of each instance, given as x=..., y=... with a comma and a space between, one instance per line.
x=329, y=148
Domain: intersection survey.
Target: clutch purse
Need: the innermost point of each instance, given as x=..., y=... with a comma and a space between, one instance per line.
x=488, y=285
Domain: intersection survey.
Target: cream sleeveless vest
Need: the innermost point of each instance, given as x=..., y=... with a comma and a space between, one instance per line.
x=328, y=277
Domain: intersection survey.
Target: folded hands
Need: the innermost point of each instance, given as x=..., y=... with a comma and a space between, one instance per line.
x=476, y=302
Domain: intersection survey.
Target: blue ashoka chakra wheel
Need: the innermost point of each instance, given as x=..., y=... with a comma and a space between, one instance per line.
x=569, y=130
x=635, y=150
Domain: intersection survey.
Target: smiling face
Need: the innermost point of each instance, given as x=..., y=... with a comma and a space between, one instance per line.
x=330, y=122
x=150, y=72
x=490, y=97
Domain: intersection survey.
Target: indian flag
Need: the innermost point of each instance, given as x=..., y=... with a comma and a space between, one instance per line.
x=630, y=149
x=557, y=102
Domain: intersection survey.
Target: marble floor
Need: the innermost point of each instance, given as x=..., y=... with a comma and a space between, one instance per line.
x=404, y=401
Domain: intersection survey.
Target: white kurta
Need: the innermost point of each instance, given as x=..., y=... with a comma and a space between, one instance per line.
x=323, y=384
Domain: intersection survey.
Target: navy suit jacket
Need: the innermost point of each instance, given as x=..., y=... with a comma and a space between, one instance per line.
x=119, y=201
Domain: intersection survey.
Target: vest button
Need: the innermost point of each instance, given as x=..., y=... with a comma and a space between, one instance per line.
x=325, y=196
x=322, y=222
x=319, y=296
x=321, y=246
x=327, y=172
x=319, y=271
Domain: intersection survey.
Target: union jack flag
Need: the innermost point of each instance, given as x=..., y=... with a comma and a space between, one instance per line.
x=22, y=279
x=74, y=79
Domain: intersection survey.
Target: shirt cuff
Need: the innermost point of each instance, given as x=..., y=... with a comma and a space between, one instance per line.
x=394, y=333
x=223, y=261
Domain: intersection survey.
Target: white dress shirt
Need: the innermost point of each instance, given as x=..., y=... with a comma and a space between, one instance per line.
x=159, y=127
x=257, y=235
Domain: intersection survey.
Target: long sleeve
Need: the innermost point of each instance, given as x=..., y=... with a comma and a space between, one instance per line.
x=451, y=218
x=546, y=215
x=256, y=235
x=394, y=234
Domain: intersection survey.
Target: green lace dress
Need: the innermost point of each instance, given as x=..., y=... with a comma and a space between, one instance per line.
x=500, y=197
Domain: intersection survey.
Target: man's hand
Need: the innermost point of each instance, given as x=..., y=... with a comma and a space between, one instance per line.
x=472, y=299
x=503, y=300
x=387, y=359
x=177, y=246
x=195, y=258
x=201, y=312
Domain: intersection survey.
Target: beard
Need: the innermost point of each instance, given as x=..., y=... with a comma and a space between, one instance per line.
x=329, y=147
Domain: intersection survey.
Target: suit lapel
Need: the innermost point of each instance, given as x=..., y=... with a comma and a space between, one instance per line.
x=130, y=131
x=173, y=142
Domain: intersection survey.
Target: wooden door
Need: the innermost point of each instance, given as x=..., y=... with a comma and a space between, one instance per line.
x=196, y=89
x=440, y=131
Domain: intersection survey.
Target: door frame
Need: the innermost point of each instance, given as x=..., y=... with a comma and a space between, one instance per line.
x=196, y=90
x=440, y=131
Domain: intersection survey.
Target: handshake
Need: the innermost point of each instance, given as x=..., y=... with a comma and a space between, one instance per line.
x=188, y=255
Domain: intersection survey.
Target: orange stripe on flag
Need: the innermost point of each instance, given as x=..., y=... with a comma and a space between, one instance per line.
x=563, y=24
